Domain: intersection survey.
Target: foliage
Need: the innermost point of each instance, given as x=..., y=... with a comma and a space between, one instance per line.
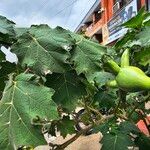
x=58, y=71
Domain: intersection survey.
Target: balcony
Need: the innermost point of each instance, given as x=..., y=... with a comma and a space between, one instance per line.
x=94, y=28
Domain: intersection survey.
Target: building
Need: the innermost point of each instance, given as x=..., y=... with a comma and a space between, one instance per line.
x=103, y=19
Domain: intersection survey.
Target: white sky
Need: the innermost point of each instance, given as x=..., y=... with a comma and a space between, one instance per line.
x=65, y=13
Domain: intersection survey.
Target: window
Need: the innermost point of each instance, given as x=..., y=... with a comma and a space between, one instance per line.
x=97, y=16
x=118, y=4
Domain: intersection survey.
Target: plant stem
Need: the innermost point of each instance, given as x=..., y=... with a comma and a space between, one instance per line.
x=89, y=113
x=27, y=70
x=122, y=100
x=118, y=105
x=75, y=137
x=137, y=105
x=96, y=111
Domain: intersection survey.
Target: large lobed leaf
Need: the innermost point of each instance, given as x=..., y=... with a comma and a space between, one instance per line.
x=7, y=32
x=68, y=89
x=143, y=37
x=66, y=126
x=5, y=69
x=47, y=50
x=106, y=99
x=6, y=26
x=143, y=142
x=143, y=57
x=24, y=99
x=43, y=49
x=87, y=57
x=137, y=21
x=2, y=56
x=116, y=142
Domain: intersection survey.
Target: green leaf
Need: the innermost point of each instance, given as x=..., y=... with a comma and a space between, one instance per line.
x=105, y=98
x=144, y=37
x=128, y=37
x=68, y=89
x=2, y=56
x=135, y=117
x=105, y=127
x=44, y=50
x=86, y=57
x=143, y=142
x=146, y=21
x=116, y=142
x=127, y=127
x=5, y=69
x=7, y=32
x=6, y=26
x=143, y=57
x=102, y=78
x=23, y=100
x=136, y=22
x=66, y=126
x=20, y=31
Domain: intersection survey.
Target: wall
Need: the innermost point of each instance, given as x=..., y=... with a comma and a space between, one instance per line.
x=100, y=27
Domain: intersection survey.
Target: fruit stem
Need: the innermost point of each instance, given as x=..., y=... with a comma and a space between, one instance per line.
x=113, y=66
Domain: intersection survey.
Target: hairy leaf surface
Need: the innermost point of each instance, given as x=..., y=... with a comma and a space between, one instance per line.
x=68, y=89
x=24, y=99
x=87, y=57
x=143, y=142
x=7, y=32
x=44, y=50
x=136, y=21
x=102, y=78
x=66, y=126
x=116, y=142
x=106, y=99
x=2, y=56
x=5, y=69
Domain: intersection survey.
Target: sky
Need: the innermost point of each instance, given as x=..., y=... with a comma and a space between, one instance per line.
x=64, y=13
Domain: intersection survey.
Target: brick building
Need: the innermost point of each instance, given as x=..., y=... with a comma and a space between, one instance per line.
x=103, y=19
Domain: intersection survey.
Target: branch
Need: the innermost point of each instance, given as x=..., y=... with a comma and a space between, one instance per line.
x=122, y=100
x=75, y=137
x=27, y=70
x=96, y=111
x=137, y=105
